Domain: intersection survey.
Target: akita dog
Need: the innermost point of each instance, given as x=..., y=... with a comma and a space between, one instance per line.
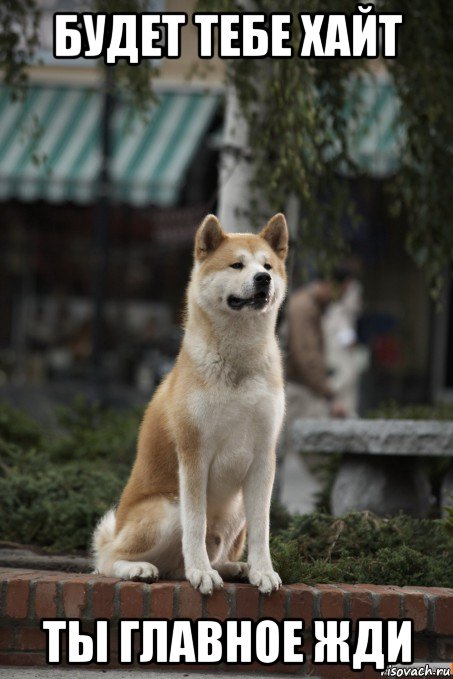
x=206, y=451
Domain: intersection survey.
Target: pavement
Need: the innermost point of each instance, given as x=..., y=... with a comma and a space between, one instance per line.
x=14, y=555
x=86, y=673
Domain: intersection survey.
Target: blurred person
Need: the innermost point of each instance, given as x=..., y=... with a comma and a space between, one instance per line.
x=310, y=393
x=346, y=359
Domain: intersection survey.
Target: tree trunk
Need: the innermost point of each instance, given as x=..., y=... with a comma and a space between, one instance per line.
x=236, y=168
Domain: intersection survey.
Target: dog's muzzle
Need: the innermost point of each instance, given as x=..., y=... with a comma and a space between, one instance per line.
x=260, y=298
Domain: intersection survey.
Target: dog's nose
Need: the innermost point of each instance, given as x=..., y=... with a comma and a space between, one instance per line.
x=262, y=279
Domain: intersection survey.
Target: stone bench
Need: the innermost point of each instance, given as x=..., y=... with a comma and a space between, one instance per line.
x=380, y=470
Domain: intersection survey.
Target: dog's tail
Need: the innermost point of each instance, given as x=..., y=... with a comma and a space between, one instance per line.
x=103, y=537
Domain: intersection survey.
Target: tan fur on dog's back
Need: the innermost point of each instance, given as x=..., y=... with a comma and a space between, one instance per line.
x=152, y=474
x=202, y=433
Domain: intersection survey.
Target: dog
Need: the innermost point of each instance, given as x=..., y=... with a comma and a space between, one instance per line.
x=205, y=463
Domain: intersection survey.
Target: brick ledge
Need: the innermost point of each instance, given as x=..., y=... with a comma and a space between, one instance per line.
x=26, y=596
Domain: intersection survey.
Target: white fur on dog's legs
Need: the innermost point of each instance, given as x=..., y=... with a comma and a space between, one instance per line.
x=135, y=570
x=198, y=569
x=257, y=500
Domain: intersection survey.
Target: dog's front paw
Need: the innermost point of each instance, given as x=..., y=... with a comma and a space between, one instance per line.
x=267, y=580
x=204, y=580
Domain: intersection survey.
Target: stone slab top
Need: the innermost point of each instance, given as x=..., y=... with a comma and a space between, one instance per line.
x=374, y=437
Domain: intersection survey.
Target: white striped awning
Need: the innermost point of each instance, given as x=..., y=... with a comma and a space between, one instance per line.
x=375, y=135
x=50, y=145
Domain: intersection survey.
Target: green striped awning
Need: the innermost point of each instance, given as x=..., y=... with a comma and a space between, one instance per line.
x=50, y=145
x=375, y=135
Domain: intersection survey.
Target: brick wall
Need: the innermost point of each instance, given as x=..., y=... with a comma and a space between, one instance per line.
x=27, y=596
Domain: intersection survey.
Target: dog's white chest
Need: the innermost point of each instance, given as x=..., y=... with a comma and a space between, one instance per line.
x=235, y=424
x=225, y=413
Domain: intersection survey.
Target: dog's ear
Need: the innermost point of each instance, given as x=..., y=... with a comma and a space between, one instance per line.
x=208, y=238
x=276, y=234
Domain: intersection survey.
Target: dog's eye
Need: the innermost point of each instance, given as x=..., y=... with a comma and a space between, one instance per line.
x=237, y=265
x=268, y=267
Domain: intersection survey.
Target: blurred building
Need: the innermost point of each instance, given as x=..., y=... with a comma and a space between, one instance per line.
x=163, y=177
x=408, y=337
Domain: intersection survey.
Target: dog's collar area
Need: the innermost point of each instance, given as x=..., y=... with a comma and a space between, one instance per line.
x=257, y=301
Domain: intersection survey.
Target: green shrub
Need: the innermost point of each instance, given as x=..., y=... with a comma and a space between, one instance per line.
x=90, y=432
x=53, y=490
x=16, y=427
x=392, y=410
x=54, y=506
x=361, y=547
